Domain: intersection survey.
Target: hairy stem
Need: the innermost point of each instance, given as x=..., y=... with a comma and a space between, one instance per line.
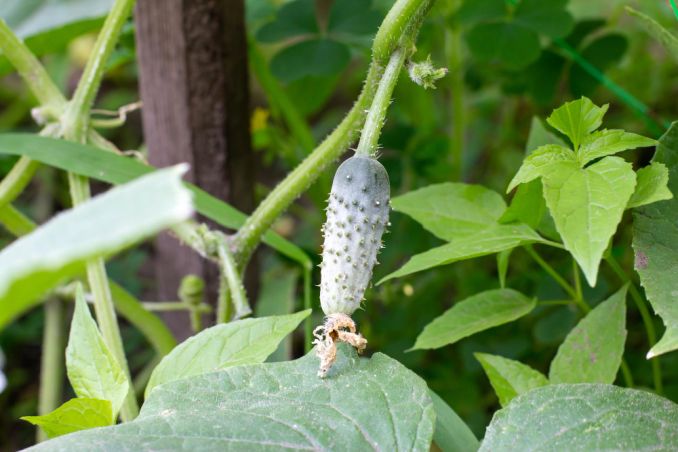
x=236, y=289
x=76, y=117
x=398, y=30
x=376, y=116
x=75, y=126
x=645, y=316
x=14, y=221
x=554, y=274
x=52, y=361
x=30, y=69
x=17, y=179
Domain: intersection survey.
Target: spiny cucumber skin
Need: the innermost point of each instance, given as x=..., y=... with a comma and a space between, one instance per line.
x=357, y=215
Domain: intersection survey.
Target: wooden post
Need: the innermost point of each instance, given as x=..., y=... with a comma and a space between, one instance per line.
x=193, y=79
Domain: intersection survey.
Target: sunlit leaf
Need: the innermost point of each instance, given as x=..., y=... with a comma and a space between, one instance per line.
x=451, y=210
x=474, y=314
x=74, y=415
x=487, y=241
x=92, y=368
x=510, y=378
x=587, y=205
x=584, y=417
x=248, y=341
x=652, y=185
x=609, y=142
x=108, y=223
x=577, y=119
x=363, y=404
x=593, y=350
x=655, y=241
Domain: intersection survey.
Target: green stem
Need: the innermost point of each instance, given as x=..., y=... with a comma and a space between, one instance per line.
x=577, y=287
x=236, y=288
x=15, y=222
x=400, y=27
x=550, y=270
x=626, y=374
x=453, y=49
x=76, y=118
x=52, y=360
x=278, y=200
x=164, y=306
x=16, y=180
x=30, y=69
x=674, y=7
x=376, y=116
x=144, y=375
x=75, y=126
x=646, y=317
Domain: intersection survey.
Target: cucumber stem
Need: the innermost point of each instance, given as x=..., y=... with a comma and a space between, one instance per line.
x=376, y=116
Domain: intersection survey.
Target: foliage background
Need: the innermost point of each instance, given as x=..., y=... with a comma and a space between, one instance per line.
x=499, y=92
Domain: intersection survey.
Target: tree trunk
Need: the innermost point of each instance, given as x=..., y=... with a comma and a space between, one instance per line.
x=194, y=86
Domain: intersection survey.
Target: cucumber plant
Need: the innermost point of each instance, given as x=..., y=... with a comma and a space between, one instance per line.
x=215, y=390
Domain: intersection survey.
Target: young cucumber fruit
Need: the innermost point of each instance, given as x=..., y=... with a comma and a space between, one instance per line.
x=357, y=214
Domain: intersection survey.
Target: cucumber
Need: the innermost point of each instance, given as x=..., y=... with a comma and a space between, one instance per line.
x=357, y=215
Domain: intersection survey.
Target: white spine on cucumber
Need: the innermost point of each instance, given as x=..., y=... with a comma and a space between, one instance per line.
x=357, y=214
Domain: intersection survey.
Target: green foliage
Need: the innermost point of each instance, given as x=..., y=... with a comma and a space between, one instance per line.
x=508, y=34
x=477, y=313
x=315, y=52
x=92, y=368
x=586, y=202
x=587, y=205
x=651, y=185
x=655, y=241
x=99, y=164
x=593, y=350
x=74, y=415
x=452, y=210
x=510, y=378
x=584, y=417
x=248, y=341
x=108, y=223
x=486, y=241
x=364, y=403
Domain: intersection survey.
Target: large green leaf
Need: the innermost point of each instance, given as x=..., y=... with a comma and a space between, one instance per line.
x=487, y=241
x=539, y=161
x=353, y=17
x=363, y=404
x=547, y=17
x=313, y=57
x=295, y=18
x=247, y=341
x=584, y=417
x=587, y=205
x=477, y=313
x=661, y=34
x=577, y=119
x=510, y=378
x=608, y=142
x=92, y=369
x=503, y=42
x=592, y=352
x=451, y=433
x=100, y=227
x=74, y=415
x=451, y=210
x=116, y=169
x=652, y=185
x=655, y=241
